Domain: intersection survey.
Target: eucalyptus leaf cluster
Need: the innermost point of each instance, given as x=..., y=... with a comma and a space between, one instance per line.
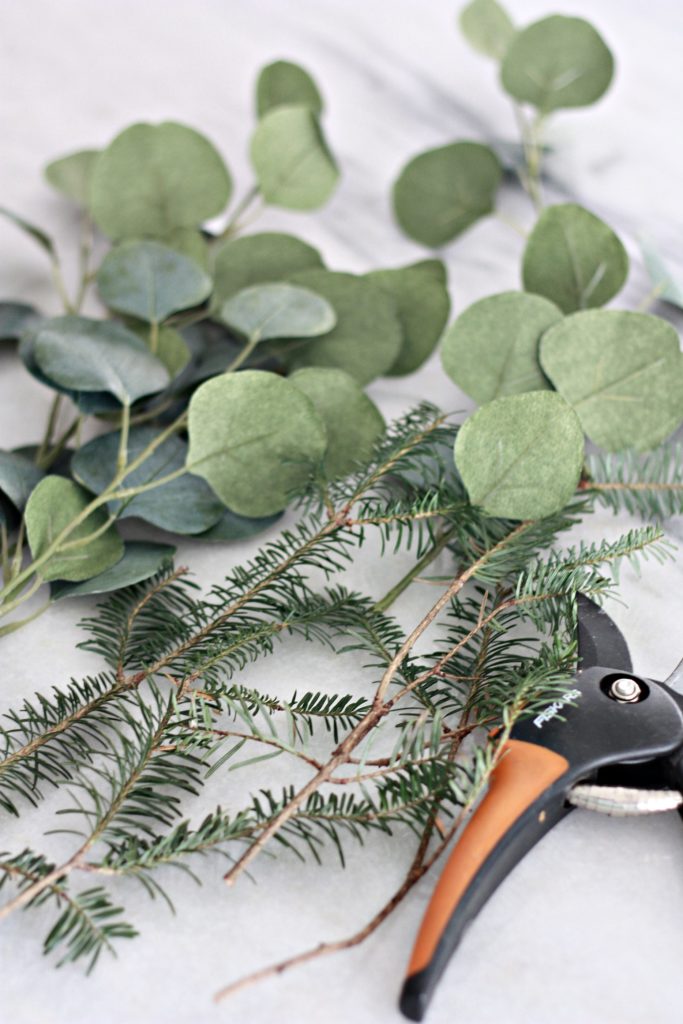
x=548, y=364
x=229, y=369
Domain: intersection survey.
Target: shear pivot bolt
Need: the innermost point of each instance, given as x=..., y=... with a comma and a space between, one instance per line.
x=626, y=691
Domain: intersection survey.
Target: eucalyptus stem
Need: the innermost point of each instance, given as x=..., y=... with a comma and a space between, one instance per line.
x=122, y=458
x=233, y=225
x=530, y=137
x=395, y=592
x=242, y=356
x=50, y=428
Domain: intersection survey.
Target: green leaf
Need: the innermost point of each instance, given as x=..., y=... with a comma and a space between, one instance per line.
x=171, y=348
x=367, y=338
x=622, y=372
x=255, y=438
x=422, y=306
x=15, y=318
x=72, y=174
x=668, y=288
x=557, y=62
x=353, y=422
x=18, y=477
x=185, y=505
x=37, y=234
x=189, y=242
x=492, y=348
x=441, y=193
x=487, y=27
x=283, y=84
x=574, y=259
x=520, y=457
x=267, y=311
x=150, y=281
x=154, y=178
x=233, y=527
x=53, y=505
x=141, y=560
x=293, y=164
x=97, y=355
x=256, y=259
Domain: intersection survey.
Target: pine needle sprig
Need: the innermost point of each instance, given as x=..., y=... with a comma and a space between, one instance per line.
x=649, y=485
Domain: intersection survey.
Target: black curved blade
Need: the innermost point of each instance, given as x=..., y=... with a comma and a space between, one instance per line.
x=600, y=639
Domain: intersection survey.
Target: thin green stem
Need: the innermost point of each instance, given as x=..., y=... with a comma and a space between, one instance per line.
x=386, y=602
x=122, y=458
x=154, y=337
x=243, y=355
x=530, y=133
x=85, y=253
x=233, y=226
x=60, y=444
x=50, y=428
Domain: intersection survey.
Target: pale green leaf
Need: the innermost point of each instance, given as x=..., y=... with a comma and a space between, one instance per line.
x=154, y=178
x=521, y=456
x=441, y=193
x=284, y=84
x=36, y=233
x=267, y=311
x=487, y=27
x=233, y=527
x=15, y=318
x=492, y=348
x=97, y=355
x=574, y=259
x=141, y=560
x=557, y=62
x=256, y=259
x=150, y=281
x=352, y=421
x=293, y=164
x=422, y=306
x=623, y=374
x=72, y=174
x=367, y=338
x=255, y=438
x=53, y=505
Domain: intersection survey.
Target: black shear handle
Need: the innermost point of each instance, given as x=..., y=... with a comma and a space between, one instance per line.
x=522, y=803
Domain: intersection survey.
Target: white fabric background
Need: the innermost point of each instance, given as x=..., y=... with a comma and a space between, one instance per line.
x=588, y=930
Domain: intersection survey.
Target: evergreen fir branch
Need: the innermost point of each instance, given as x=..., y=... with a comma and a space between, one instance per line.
x=88, y=923
x=649, y=485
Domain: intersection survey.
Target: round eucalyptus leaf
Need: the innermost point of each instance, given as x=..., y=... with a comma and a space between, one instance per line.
x=185, y=505
x=284, y=84
x=233, y=527
x=492, y=348
x=487, y=27
x=622, y=372
x=189, y=242
x=255, y=438
x=15, y=318
x=367, y=339
x=441, y=193
x=72, y=174
x=293, y=164
x=141, y=560
x=521, y=456
x=557, y=62
x=52, y=506
x=255, y=259
x=352, y=421
x=422, y=306
x=150, y=281
x=18, y=477
x=281, y=310
x=171, y=348
x=574, y=259
x=154, y=178
x=97, y=355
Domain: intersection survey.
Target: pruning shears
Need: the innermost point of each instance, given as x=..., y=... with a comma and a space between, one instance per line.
x=613, y=743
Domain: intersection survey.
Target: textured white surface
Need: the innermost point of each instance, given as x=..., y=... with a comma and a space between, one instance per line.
x=588, y=929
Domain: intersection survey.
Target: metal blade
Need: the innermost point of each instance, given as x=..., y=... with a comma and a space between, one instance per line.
x=675, y=680
x=600, y=640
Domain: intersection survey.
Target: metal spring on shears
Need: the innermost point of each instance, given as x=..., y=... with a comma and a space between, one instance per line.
x=623, y=802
